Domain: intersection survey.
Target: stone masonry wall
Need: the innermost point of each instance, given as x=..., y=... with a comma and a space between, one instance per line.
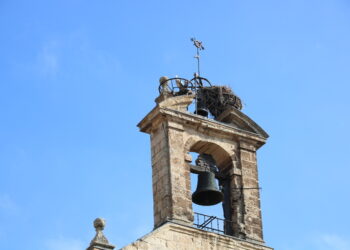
x=171, y=177
x=251, y=194
x=171, y=188
x=179, y=237
x=176, y=132
x=180, y=176
x=160, y=176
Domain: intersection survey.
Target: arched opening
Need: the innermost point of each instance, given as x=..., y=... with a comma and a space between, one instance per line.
x=214, y=210
x=216, y=216
x=221, y=156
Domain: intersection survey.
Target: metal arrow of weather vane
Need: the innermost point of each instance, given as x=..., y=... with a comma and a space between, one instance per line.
x=199, y=46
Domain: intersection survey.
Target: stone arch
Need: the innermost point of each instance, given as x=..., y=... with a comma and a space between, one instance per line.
x=223, y=158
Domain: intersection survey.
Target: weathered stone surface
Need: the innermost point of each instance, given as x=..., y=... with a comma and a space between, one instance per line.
x=232, y=143
x=180, y=237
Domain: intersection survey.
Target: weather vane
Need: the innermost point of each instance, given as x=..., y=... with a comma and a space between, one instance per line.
x=199, y=46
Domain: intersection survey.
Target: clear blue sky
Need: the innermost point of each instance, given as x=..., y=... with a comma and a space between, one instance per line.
x=77, y=76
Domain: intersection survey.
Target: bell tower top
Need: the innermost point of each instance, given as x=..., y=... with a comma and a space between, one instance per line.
x=229, y=137
x=218, y=101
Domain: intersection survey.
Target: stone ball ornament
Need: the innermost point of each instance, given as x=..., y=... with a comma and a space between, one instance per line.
x=99, y=223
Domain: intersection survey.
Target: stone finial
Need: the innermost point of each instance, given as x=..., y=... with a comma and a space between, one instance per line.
x=100, y=241
x=164, y=84
x=99, y=224
x=165, y=92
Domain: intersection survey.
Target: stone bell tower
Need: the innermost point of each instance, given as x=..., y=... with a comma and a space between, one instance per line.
x=230, y=138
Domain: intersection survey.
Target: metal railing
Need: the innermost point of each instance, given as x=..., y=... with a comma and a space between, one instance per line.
x=211, y=223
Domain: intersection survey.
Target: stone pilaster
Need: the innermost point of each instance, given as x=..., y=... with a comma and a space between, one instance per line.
x=237, y=205
x=250, y=191
x=171, y=176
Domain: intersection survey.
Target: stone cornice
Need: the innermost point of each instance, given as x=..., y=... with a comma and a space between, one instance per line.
x=185, y=117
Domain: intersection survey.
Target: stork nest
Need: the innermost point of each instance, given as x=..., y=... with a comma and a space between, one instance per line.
x=218, y=99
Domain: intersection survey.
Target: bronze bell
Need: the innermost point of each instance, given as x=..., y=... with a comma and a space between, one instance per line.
x=207, y=192
x=202, y=111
